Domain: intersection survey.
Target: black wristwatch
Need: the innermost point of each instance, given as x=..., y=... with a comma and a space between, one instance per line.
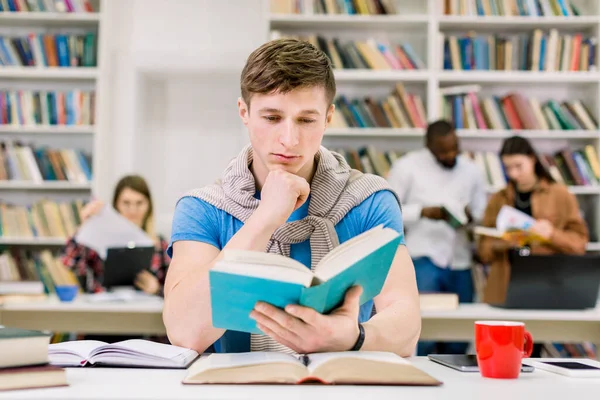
x=360, y=340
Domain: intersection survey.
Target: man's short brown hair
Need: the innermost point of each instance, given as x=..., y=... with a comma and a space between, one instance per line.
x=282, y=65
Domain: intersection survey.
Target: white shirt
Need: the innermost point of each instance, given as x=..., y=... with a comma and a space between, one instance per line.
x=421, y=181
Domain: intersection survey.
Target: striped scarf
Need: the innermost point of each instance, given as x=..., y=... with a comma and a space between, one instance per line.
x=334, y=190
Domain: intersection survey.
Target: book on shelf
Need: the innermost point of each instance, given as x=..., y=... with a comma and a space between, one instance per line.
x=511, y=8
x=21, y=162
x=399, y=109
x=28, y=268
x=42, y=219
x=342, y=368
x=278, y=280
x=49, y=50
x=47, y=107
x=514, y=111
x=60, y=6
x=333, y=7
x=128, y=353
x=368, y=53
x=536, y=51
x=569, y=167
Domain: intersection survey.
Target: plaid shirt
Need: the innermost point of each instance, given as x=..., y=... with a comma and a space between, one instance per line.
x=87, y=265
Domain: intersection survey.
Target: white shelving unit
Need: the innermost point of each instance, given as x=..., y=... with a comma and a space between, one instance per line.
x=49, y=78
x=420, y=23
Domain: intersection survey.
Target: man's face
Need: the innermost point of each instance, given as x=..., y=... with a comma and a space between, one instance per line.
x=445, y=149
x=286, y=130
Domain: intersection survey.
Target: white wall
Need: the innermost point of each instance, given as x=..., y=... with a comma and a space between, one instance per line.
x=170, y=88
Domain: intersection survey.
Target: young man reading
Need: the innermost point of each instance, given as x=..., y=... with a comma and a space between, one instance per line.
x=286, y=194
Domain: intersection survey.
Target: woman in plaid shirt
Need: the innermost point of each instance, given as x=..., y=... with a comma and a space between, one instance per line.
x=132, y=200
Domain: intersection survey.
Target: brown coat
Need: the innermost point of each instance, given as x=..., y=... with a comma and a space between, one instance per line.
x=551, y=201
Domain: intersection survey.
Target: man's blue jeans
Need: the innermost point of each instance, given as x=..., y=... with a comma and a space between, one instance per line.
x=431, y=278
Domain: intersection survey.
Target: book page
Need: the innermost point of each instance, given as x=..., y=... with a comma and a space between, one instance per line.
x=138, y=352
x=80, y=349
x=230, y=360
x=319, y=359
x=341, y=260
x=511, y=218
x=264, y=265
x=486, y=231
x=110, y=229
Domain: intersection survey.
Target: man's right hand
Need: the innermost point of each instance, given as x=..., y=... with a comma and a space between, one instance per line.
x=435, y=213
x=282, y=194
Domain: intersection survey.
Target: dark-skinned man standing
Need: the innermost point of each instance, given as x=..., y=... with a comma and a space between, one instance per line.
x=426, y=180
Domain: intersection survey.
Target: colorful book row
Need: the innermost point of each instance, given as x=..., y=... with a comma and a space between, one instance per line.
x=530, y=8
x=399, y=109
x=348, y=7
x=47, y=50
x=61, y=6
x=363, y=54
x=527, y=52
x=25, y=107
x=26, y=163
x=468, y=110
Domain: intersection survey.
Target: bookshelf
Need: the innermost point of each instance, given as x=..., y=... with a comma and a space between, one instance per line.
x=68, y=80
x=424, y=26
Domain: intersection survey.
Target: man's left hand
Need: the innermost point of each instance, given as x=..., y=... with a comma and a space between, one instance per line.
x=304, y=330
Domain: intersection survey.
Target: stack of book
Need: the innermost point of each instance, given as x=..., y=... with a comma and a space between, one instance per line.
x=25, y=363
x=348, y=7
x=31, y=275
x=61, y=6
x=400, y=109
x=537, y=51
x=49, y=50
x=368, y=53
x=42, y=219
x=25, y=163
x=468, y=110
x=51, y=107
x=537, y=8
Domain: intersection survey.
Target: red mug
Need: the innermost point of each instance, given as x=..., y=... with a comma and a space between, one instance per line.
x=500, y=347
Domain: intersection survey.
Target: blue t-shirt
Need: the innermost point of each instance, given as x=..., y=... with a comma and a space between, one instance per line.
x=197, y=220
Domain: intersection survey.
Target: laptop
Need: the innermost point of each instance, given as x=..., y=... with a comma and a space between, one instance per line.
x=122, y=265
x=556, y=282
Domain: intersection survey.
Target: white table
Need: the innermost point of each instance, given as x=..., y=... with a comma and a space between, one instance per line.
x=564, y=326
x=142, y=316
x=96, y=383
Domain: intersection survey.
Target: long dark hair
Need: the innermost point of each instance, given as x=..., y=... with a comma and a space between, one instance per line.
x=517, y=145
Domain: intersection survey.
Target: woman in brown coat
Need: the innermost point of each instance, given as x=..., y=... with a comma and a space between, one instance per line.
x=532, y=190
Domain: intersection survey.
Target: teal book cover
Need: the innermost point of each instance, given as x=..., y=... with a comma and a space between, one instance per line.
x=233, y=296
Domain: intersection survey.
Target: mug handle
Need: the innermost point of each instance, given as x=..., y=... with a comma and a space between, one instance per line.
x=528, y=345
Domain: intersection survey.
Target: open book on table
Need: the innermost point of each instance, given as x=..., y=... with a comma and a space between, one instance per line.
x=355, y=368
x=242, y=278
x=128, y=353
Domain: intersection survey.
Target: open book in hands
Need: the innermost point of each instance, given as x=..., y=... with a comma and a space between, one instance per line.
x=456, y=215
x=242, y=278
x=356, y=368
x=128, y=353
x=512, y=225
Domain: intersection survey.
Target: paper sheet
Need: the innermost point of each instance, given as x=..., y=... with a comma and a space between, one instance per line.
x=110, y=229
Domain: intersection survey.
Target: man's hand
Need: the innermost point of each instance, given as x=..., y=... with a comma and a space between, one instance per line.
x=304, y=330
x=147, y=282
x=435, y=213
x=281, y=195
